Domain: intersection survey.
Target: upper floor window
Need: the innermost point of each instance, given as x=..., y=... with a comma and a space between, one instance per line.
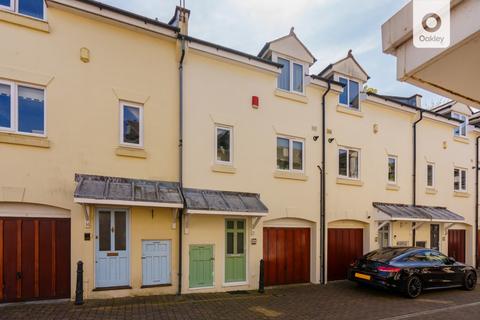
x=392, y=169
x=31, y=8
x=22, y=108
x=223, y=144
x=348, y=163
x=461, y=130
x=290, y=154
x=460, y=179
x=131, y=124
x=430, y=175
x=291, y=76
x=350, y=96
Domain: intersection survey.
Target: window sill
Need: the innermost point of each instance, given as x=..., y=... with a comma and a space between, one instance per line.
x=392, y=187
x=291, y=96
x=431, y=191
x=131, y=152
x=111, y=288
x=290, y=175
x=155, y=285
x=234, y=284
x=350, y=182
x=461, y=194
x=349, y=111
x=461, y=139
x=223, y=168
x=24, y=21
x=24, y=140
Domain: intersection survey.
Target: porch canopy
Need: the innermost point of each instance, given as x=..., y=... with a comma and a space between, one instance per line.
x=405, y=212
x=201, y=201
x=105, y=190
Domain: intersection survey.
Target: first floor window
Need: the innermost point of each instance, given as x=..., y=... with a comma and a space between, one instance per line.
x=131, y=124
x=350, y=96
x=348, y=163
x=460, y=179
x=22, y=108
x=31, y=8
x=461, y=130
x=290, y=154
x=430, y=175
x=223, y=144
x=392, y=169
x=235, y=258
x=297, y=77
x=283, y=81
x=291, y=76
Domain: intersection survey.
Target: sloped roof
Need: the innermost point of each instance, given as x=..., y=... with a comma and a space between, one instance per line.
x=427, y=213
x=349, y=56
x=292, y=33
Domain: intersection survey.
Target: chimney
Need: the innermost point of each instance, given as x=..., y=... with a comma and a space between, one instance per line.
x=180, y=19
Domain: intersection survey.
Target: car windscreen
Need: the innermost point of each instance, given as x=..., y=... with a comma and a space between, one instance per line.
x=386, y=254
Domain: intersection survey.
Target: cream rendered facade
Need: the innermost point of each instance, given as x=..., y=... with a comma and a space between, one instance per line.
x=90, y=57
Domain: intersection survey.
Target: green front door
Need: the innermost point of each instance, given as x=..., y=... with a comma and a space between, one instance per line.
x=201, y=266
x=235, y=263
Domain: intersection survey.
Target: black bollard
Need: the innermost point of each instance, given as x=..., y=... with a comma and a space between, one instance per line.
x=79, y=288
x=261, y=279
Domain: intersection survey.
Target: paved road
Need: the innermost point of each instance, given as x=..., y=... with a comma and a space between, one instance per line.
x=339, y=300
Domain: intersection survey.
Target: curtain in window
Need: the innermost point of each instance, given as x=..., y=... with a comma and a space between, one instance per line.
x=32, y=8
x=297, y=77
x=223, y=145
x=429, y=175
x=297, y=154
x=353, y=163
x=343, y=98
x=283, y=154
x=5, y=105
x=31, y=110
x=284, y=77
x=391, y=169
x=456, y=179
x=463, y=180
x=342, y=162
x=353, y=91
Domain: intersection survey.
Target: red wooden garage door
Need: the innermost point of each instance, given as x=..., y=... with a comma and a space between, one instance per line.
x=456, y=244
x=344, y=246
x=34, y=259
x=286, y=252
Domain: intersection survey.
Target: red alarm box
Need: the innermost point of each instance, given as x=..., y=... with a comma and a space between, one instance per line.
x=255, y=102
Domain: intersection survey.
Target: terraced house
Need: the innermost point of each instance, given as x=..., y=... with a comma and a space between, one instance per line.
x=169, y=164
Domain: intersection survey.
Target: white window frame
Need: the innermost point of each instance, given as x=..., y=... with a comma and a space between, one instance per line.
x=14, y=109
x=348, y=149
x=433, y=175
x=133, y=105
x=292, y=62
x=460, y=170
x=290, y=153
x=395, y=158
x=14, y=8
x=347, y=87
x=461, y=126
x=223, y=127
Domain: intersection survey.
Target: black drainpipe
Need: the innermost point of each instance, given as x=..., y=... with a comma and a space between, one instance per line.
x=414, y=186
x=180, y=175
x=323, y=191
x=476, y=203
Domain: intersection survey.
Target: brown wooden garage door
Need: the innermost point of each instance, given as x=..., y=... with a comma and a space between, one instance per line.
x=456, y=244
x=34, y=259
x=286, y=252
x=344, y=246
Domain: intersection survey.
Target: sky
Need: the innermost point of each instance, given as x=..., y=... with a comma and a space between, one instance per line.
x=329, y=28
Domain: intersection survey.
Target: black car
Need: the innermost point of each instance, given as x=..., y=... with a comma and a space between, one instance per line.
x=411, y=270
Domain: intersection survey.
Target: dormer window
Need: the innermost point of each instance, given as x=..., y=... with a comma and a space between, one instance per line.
x=291, y=77
x=31, y=8
x=350, y=96
x=461, y=130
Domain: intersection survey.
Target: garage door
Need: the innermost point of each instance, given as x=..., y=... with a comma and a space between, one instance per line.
x=286, y=252
x=34, y=259
x=344, y=246
x=456, y=244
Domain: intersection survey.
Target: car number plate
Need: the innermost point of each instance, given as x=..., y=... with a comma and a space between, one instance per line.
x=362, y=276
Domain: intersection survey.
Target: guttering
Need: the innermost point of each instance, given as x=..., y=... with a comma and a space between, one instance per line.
x=323, y=192
x=414, y=170
x=476, y=202
x=180, y=165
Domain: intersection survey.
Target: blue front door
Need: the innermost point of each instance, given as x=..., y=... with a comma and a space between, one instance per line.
x=112, y=265
x=156, y=262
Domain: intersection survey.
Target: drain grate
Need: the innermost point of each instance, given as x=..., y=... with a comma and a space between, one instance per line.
x=239, y=292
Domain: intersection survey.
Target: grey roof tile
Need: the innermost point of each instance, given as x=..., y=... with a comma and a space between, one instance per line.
x=404, y=211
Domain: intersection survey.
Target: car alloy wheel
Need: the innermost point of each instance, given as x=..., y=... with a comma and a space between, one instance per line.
x=470, y=281
x=414, y=287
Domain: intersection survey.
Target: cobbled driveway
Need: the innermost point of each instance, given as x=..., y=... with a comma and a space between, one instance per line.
x=339, y=300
